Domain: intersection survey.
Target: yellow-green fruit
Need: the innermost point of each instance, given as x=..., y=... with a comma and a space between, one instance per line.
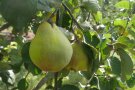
x=79, y=60
x=50, y=50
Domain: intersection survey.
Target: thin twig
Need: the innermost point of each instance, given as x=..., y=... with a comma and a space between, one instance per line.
x=88, y=16
x=43, y=81
x=69, y=11
x=27, y=75
x=53, y=14
x=89, y=80
x=55, y=81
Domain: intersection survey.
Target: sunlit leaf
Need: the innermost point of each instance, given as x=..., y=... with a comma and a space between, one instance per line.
x=98, y=16
x=126, y=41
x=120, y=22
x=124, y=4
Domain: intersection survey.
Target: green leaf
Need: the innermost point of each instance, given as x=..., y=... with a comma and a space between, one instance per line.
x=27, y=61
x=54, y=3
x=23, y=84
x=20, y=14
x=64, y=20
x=120, y=45
x=91, y=52
x=75, y=2
x=49, y=87
x=69, y=87
x=132, y=32
x=115, y=64
x=91, y=5
x=126, y=41
x=5, y=76
x=113, y=83
x=15, y=57
x=87, y=37
x=126, y=63
x=107, y=50
x=43, y=5
x=95, y=41
x=98, y=16
x=131, y=82
x=124, y=4
x=120, y=22
x=108, y=83
x=103, y=44
x=132, y=20
x=46, y=5
x=94, y=81
x=133, y=8
x=5, y=66
x=104, y=84
x=1, y=56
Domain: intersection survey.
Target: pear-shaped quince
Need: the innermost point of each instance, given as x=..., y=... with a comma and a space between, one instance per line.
x=79, y=60
x=50, y=50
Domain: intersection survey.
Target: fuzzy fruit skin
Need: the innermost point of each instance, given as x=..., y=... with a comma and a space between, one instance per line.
x=79, y=60
x=50, y=50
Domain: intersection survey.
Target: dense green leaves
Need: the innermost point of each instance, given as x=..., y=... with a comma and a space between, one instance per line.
x=131, y=82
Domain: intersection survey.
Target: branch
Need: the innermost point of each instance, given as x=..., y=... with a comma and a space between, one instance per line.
x=4, y=26
x=89, y=80
x=52, y=15
x=69, y=11
x=55, y=81
x=43, y=81
x=88, y=17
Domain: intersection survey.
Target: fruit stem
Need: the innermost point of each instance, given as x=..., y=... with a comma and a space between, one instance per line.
x=50, y=18
x=55, y=80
